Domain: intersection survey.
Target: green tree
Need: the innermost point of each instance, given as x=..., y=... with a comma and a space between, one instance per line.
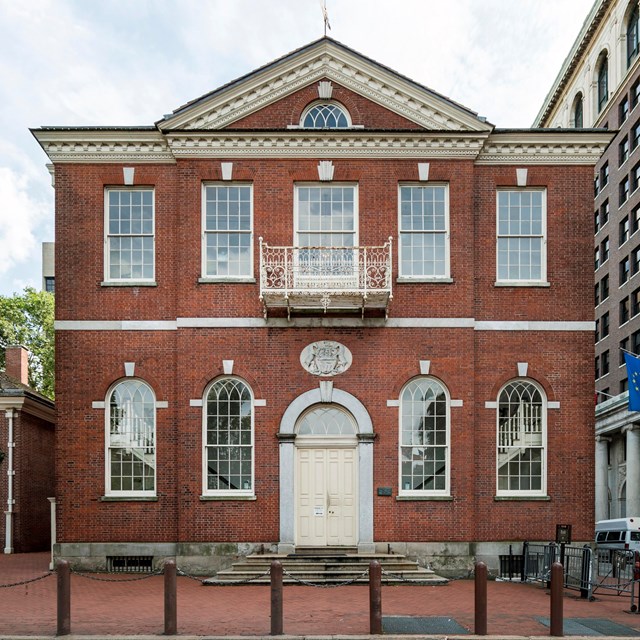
x=27, y=319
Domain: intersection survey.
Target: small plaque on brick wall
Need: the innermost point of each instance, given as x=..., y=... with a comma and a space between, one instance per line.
x=384, y=491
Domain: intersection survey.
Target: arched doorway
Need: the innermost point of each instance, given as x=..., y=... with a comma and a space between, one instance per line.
x=305, y=451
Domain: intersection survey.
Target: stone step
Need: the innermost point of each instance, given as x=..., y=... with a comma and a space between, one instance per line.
x=326, y=568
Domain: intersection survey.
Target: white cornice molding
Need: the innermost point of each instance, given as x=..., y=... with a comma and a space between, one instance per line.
x=324, y=60
x=109, y=145
x=307, y=144
x=544, y=147
x=39, y=409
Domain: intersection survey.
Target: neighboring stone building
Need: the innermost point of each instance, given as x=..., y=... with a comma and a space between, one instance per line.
x=599, y=86
x=322, y=306
x=27, y=420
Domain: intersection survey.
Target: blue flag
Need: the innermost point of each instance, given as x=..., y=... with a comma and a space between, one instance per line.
x=633, y=374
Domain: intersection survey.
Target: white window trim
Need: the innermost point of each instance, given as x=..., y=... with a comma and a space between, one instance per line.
x=411, y=493
x=446, y=277
x=543, y=249
x=127, y=281
x=112, y=493
x=249, y=277
x=542, y=492
x=231, y=494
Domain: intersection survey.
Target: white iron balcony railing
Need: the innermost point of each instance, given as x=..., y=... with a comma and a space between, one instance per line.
x=336, y=278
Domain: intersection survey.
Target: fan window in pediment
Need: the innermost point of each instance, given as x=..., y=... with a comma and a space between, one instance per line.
x=325, y=115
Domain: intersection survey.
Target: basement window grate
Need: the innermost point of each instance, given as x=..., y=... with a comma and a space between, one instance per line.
x=130, y=564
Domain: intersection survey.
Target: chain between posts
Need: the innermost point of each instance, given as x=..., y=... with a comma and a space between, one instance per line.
x=325, y=586
x=29, y=580
x=226, y=582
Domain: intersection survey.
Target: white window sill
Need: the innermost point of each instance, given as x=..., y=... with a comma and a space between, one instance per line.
x=231, y=496
x=421, y=280
x=522, y=498
x=115, y=498
x=239, y=280
x=435, y=498
x=521, y=283
x=128, y=283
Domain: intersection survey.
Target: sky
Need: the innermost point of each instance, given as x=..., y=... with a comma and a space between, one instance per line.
x=129, y=62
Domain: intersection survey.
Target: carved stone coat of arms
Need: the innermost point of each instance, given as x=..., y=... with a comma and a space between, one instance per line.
x=326, y=358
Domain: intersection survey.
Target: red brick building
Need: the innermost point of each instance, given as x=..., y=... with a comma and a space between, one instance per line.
x=322, y=305
x=27, y=421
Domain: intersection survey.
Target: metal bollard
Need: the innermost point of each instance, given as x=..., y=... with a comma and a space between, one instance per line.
x=481, y=599
x=375, y=598
x=557, y=578
x=276, y=599
x=64, y=598
x=170, y=598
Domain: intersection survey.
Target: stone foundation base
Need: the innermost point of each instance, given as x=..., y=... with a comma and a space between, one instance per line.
x=448, y=559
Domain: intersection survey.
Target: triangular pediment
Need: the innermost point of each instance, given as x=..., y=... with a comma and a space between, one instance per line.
x=325, y=59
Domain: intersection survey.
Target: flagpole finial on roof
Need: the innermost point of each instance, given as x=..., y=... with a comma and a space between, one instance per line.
x=325, y=15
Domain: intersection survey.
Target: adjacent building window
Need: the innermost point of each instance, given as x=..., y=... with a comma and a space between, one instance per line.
x=424, y=438
x=604, y=213
x=522, y=438
x=624, y=191
x=635, y=302
x=521, y=237
x=623, y=109
x=604, y=174
x=623, y=229
x=130, y=239
x=325, y=116
x=624, y=270
x=624, y=346
x=635, y=342
x=578, y=110
x=635, y=219
x=424, y=231
x=635, y=135
x=603, y=81
x=632, y=35
x=604, y=363
x=131, y=440
x=227, y=211
x=623, y=150
x=635, y=261
x=624, y=311
x=604, y=250
x=228, y=438
x=596, y=258
x=604, y=288
x=50, y=284
x=604, y=325
x=635, y=93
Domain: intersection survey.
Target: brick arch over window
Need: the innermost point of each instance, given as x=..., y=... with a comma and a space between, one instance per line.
x=287, y=436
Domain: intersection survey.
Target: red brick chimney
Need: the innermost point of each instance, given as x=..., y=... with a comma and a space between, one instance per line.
x=17, y=363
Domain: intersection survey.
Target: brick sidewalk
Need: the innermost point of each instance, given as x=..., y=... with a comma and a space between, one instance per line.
x=136, y=607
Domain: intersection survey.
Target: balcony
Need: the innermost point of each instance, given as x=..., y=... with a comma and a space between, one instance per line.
x=325, y=279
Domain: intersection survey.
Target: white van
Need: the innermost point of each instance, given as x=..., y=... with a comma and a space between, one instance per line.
x=621, y=533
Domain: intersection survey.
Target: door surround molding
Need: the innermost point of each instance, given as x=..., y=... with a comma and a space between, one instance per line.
x=287, y=437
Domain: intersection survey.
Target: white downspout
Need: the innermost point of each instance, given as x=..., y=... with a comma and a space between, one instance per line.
x=8, y=546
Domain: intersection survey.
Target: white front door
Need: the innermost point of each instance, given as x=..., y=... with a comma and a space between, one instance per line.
x=326, y=496
x=326, y=478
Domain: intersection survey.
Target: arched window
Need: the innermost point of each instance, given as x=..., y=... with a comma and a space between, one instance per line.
x=325, y=115
x=325, y=420
x=578, y=107
x=424, y=438
x=603, y=81
x=131, y=439
x=632, y=34
x=228, y=438
x=521, y=439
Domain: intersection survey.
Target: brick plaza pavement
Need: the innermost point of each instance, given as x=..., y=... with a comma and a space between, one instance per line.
x=136, y=607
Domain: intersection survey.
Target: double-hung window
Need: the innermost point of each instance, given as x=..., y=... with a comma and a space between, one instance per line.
x=131, y=440
x=227, y=212
x=521, y=237
x=129, y=241
x=424, y=231
x=326, y=227
x=228, y=438
x=522, y=419
x=424, y=438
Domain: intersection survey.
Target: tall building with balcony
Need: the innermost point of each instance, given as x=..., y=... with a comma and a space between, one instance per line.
x=599, y=86
x=322, y=306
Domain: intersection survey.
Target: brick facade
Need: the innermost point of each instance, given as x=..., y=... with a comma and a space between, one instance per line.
x=472, y=332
